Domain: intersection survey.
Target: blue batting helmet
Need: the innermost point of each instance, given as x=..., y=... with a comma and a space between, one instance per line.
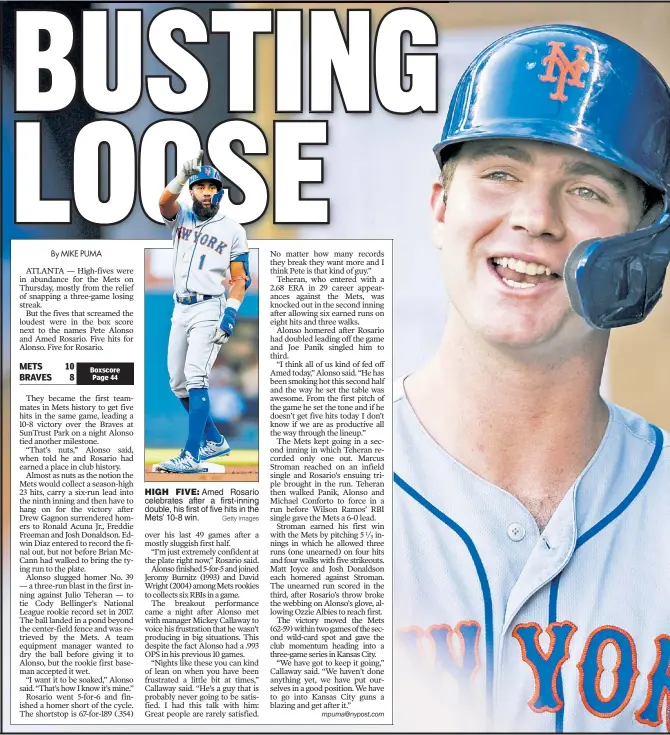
x=209, y=173
x=581, y=88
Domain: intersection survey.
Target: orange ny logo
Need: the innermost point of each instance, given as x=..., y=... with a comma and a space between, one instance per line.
x=574, y=69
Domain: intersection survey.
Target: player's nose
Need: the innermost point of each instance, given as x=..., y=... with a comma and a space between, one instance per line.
x=536, y=210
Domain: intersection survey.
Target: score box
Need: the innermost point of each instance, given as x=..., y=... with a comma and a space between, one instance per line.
x=55, y=372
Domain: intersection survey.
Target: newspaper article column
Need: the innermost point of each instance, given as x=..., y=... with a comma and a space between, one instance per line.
x=77, y=334
x=328, y=377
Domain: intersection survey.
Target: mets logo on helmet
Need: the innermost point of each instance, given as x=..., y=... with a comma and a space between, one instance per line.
x=207, y=171
x=570, y=72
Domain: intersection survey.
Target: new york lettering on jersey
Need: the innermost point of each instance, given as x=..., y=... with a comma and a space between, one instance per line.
x=607, y=667
x=204, y=251
x=201, y=238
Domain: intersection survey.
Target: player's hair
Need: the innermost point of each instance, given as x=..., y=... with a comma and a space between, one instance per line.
x=448, y=168
x=650, y=197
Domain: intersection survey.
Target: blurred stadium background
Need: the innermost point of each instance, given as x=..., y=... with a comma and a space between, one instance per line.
x=234, y=380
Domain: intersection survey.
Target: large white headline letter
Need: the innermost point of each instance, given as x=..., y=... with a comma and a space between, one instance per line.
x=29, y=61
x=391, y=64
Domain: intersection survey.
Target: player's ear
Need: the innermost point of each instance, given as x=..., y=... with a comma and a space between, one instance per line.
x=438, y=201
x=439, y=206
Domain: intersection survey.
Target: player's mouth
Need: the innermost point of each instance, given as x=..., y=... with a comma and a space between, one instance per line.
x=521, y=274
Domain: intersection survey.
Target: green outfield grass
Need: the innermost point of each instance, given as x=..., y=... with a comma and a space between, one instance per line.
x=237, y=457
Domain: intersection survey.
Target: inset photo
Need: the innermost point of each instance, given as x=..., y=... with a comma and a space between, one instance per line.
x=201, y=386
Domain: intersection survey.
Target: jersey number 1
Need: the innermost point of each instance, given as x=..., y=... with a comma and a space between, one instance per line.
x=202, y=260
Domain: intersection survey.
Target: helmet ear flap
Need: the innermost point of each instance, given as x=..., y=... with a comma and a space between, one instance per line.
x=216, y=199
x=616, y=281
x=575, y=260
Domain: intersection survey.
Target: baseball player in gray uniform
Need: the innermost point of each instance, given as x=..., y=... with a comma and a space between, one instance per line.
x=210, y=252
x=531, y=517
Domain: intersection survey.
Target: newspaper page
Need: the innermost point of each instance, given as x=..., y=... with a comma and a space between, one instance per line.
x=249, y=590
x=312, y=367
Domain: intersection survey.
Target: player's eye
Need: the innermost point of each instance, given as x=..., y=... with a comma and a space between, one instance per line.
x=584, y=192
x=499, y=176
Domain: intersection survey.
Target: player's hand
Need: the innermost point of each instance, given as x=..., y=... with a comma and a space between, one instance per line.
x=191, y=167
x=221, y=337
x=228, y=322
x=227, y=326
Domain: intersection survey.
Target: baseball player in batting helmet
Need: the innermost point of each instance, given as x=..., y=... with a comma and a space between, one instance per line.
x=531, y=550
x=207, y=174
x=210, y=269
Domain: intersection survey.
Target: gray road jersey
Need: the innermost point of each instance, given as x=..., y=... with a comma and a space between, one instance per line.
x=203, y=251
x=500, y=627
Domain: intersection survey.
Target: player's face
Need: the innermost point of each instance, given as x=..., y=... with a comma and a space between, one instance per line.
x=202, y=194
x=514, y=210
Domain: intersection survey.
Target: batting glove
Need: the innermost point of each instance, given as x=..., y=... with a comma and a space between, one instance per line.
x=188, y=169
x=227, y=326
x=191, y=167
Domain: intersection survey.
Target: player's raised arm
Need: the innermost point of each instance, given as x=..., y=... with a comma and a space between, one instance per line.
x=168, y=199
